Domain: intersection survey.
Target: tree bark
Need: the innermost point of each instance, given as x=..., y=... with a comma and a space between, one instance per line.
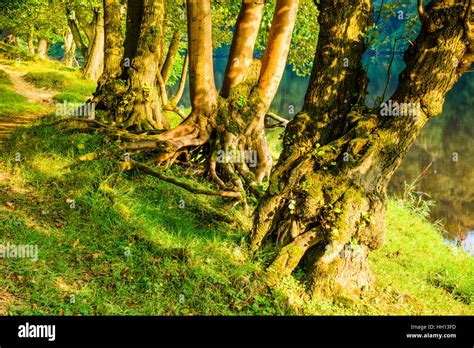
x=74, y=27
x=69, y=49
x=43, y=48
x=325, y=206
x=171, y=55
x=95, y=57
x=113, y=39
x=31, y=38
x=134, y=20
x=133, y=101
x=239, y=155
x=113, y=51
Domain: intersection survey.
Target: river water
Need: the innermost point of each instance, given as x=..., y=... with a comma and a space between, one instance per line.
x=440, y=162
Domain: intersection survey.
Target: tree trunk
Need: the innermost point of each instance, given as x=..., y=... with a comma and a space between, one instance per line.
x=69, y=49
x=171, y=56
x=43, y=48
x=325, y=206
x=31, y=44
x=136, y=103
x=74, y=28
x=113, y=53
x=239, y=153
x=113, y=40
x=134, y=20
x=95, y=56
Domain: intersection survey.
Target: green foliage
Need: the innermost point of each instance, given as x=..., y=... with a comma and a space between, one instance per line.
x=69, y=97
x=304, y=39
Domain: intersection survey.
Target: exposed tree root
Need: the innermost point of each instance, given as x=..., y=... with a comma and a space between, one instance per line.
x=133, y=164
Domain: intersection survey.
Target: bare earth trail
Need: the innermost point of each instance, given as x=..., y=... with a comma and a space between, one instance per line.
x=8, y=124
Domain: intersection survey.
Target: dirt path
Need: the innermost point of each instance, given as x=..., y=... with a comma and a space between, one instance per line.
x=8, y=124
x=20, y=86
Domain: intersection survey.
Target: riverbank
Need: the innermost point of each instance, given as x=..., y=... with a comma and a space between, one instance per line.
x=120, y=243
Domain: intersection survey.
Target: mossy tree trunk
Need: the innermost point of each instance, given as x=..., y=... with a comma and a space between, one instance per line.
x=133, y=101
x=325, y=206
x=113, y=50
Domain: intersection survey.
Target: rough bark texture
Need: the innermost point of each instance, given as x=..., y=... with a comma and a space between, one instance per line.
x=325, y=207
x=113, y=52
x=233, y=124
x=134, y=101
x=113, y=40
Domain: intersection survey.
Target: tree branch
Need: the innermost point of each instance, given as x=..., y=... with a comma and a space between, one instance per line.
x=182, y=82
x=171, y=55
x=421, y=12
x=282, y=122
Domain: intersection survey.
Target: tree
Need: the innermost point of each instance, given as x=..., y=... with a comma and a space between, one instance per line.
x=129, y=95
x=232, y=122
x=86, y=22
x=325, y=206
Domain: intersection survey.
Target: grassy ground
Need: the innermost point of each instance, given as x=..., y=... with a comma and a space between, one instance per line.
x=120, y=243
x=12, y=103
x=54, y=75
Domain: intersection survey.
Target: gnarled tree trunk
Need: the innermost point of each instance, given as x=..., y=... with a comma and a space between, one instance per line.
x=133, y=101
x=233, y=124
x=325, y=206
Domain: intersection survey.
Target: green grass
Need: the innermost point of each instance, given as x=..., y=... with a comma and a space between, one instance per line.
x=12, y=103
x=69, y=97
x=128, y=245
x=53, y=75
x=175, y=251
